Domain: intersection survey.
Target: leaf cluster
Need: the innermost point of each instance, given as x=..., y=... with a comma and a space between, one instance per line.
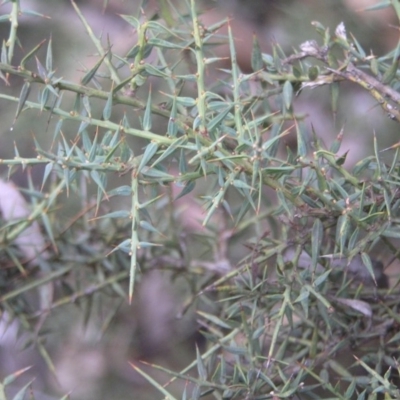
x=287, y=309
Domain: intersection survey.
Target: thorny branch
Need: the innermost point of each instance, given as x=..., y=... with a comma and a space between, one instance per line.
x=348, y=71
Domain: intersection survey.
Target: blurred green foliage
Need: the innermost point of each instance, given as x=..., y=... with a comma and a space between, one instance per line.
x=164, y=178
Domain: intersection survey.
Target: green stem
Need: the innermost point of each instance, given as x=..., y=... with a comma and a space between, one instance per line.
x=13, y=30
x=201, y=92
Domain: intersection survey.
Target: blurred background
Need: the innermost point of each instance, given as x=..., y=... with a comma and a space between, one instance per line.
x=92, y=362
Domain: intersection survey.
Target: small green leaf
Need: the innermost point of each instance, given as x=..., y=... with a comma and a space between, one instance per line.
x=374, y=66
x=342, y=232
x=170, y=150
x=131, y=20
x=172, y=128
x=201, y=368
x=367, y=262
x=116, y=214
x=214, y=319
x=4, y=53
x=157, y=173
x=221, y=115
x=44, y=96
x=124, y=246
x=41, y=69
x=26, y=88
x=21, y=393
x=190, y=185
x=186, y=101
x=256, y=56
x=163, y=44
x=124, y=190
x=362, y=165
x=148, y=154
x=302, y=137
x=92, y=72
x=313, y=73
x=148, y=227
x=47, y=170
x=49, y=57
x=145, y=245
x=99, y=178
x=236, y=350
x=183, y=167
x=335, y=146
x=86, y=105
x=316, y=242
x=287, y=92
x=154, y=383
x=153, y=71
x=334, y=88
x=322, y=278
x=134, y=51
x=108, y=106
x=360, y=50
x=11, y=378
x=237, y=183
x=147, y=114
x=390, y=73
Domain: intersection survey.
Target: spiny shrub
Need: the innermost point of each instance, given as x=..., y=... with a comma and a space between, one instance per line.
x=277, y=260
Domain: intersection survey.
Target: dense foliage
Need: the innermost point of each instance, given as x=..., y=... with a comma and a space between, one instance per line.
x=166, y=159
